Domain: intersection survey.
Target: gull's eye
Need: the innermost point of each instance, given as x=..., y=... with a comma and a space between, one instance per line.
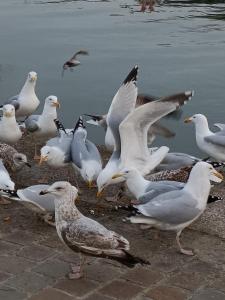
x=59, y=188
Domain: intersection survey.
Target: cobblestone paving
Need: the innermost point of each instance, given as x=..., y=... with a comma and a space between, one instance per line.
x=34, y=264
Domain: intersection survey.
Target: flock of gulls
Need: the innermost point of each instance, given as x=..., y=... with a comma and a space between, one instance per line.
x=168, y=190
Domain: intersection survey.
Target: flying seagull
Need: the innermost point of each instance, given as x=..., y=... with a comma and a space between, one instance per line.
x=73, y=62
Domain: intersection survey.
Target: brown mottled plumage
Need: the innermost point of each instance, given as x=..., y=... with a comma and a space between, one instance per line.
x=180, y=175
x=11, y=158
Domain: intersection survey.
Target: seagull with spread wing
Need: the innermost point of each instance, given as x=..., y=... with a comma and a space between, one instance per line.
x=130, y=125
x=73, y=61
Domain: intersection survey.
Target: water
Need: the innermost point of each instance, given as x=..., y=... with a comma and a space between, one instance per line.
x=178, y=47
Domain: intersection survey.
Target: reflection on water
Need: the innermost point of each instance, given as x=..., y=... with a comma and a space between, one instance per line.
x=178, y=46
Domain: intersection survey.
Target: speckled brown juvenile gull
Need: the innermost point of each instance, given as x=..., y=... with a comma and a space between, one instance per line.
x=84, y=235
x=12, y=159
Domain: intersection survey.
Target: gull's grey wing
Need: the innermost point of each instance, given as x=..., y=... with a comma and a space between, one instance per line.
x=134, y=128
x=159, y=187
x=176, y=160
x=31, y=123
x=221, y=126
x=80, y=52
x=174, y=207
x=78, y=149
x=13, y=101
x=63, y=142
x=216, y=139
x=93, y=151
x=88, y=236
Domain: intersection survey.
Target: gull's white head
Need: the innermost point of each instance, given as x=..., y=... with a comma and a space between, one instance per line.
x=52, y=155
x=8, y=111
x=32, y=76
x=196, y=119
x=20, y=160
x=61, y=189
x=126, y=174
x=52, y=101
x=202, y=168
x=105, y=178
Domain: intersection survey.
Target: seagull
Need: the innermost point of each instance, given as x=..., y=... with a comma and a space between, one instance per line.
x=122, y=104
x=5, y=181
x=213, y=144
x=85, y=155
x=130, y=125
x=30, y=197
x=12, y=159
x=73, y=62
x=57, y=151
x=43, y=126
x=26, y=102
x=155, y=129
x=139, y=186
x=84, y=235
x=176, y=210
x=145, y=190
x=10, y=131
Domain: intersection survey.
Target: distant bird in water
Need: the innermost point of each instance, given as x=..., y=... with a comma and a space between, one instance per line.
x=73, y=62
x=148, y=3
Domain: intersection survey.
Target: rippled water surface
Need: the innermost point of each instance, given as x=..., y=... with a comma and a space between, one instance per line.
x=179, y=46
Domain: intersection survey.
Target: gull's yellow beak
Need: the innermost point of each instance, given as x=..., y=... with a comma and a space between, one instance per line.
x=34, y=78
x=7, y=114
x=56, y=104
x=43, y=159
x=188, y=120
x=217, y=174
x=90, y=183
x=117, y=175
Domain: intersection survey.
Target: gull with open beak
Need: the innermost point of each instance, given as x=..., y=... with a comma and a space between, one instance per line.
x=10, y=131
x=26, y=102
x=42, y=127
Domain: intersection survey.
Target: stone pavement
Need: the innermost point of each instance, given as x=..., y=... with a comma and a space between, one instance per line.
x=34, y=264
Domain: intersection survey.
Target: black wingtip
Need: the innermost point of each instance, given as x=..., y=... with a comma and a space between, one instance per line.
x=94, y=117
x=215, y=164
x=213, y=198
x=79, y=124
x=59, y=125
x=10, y=193
x=132, y=76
